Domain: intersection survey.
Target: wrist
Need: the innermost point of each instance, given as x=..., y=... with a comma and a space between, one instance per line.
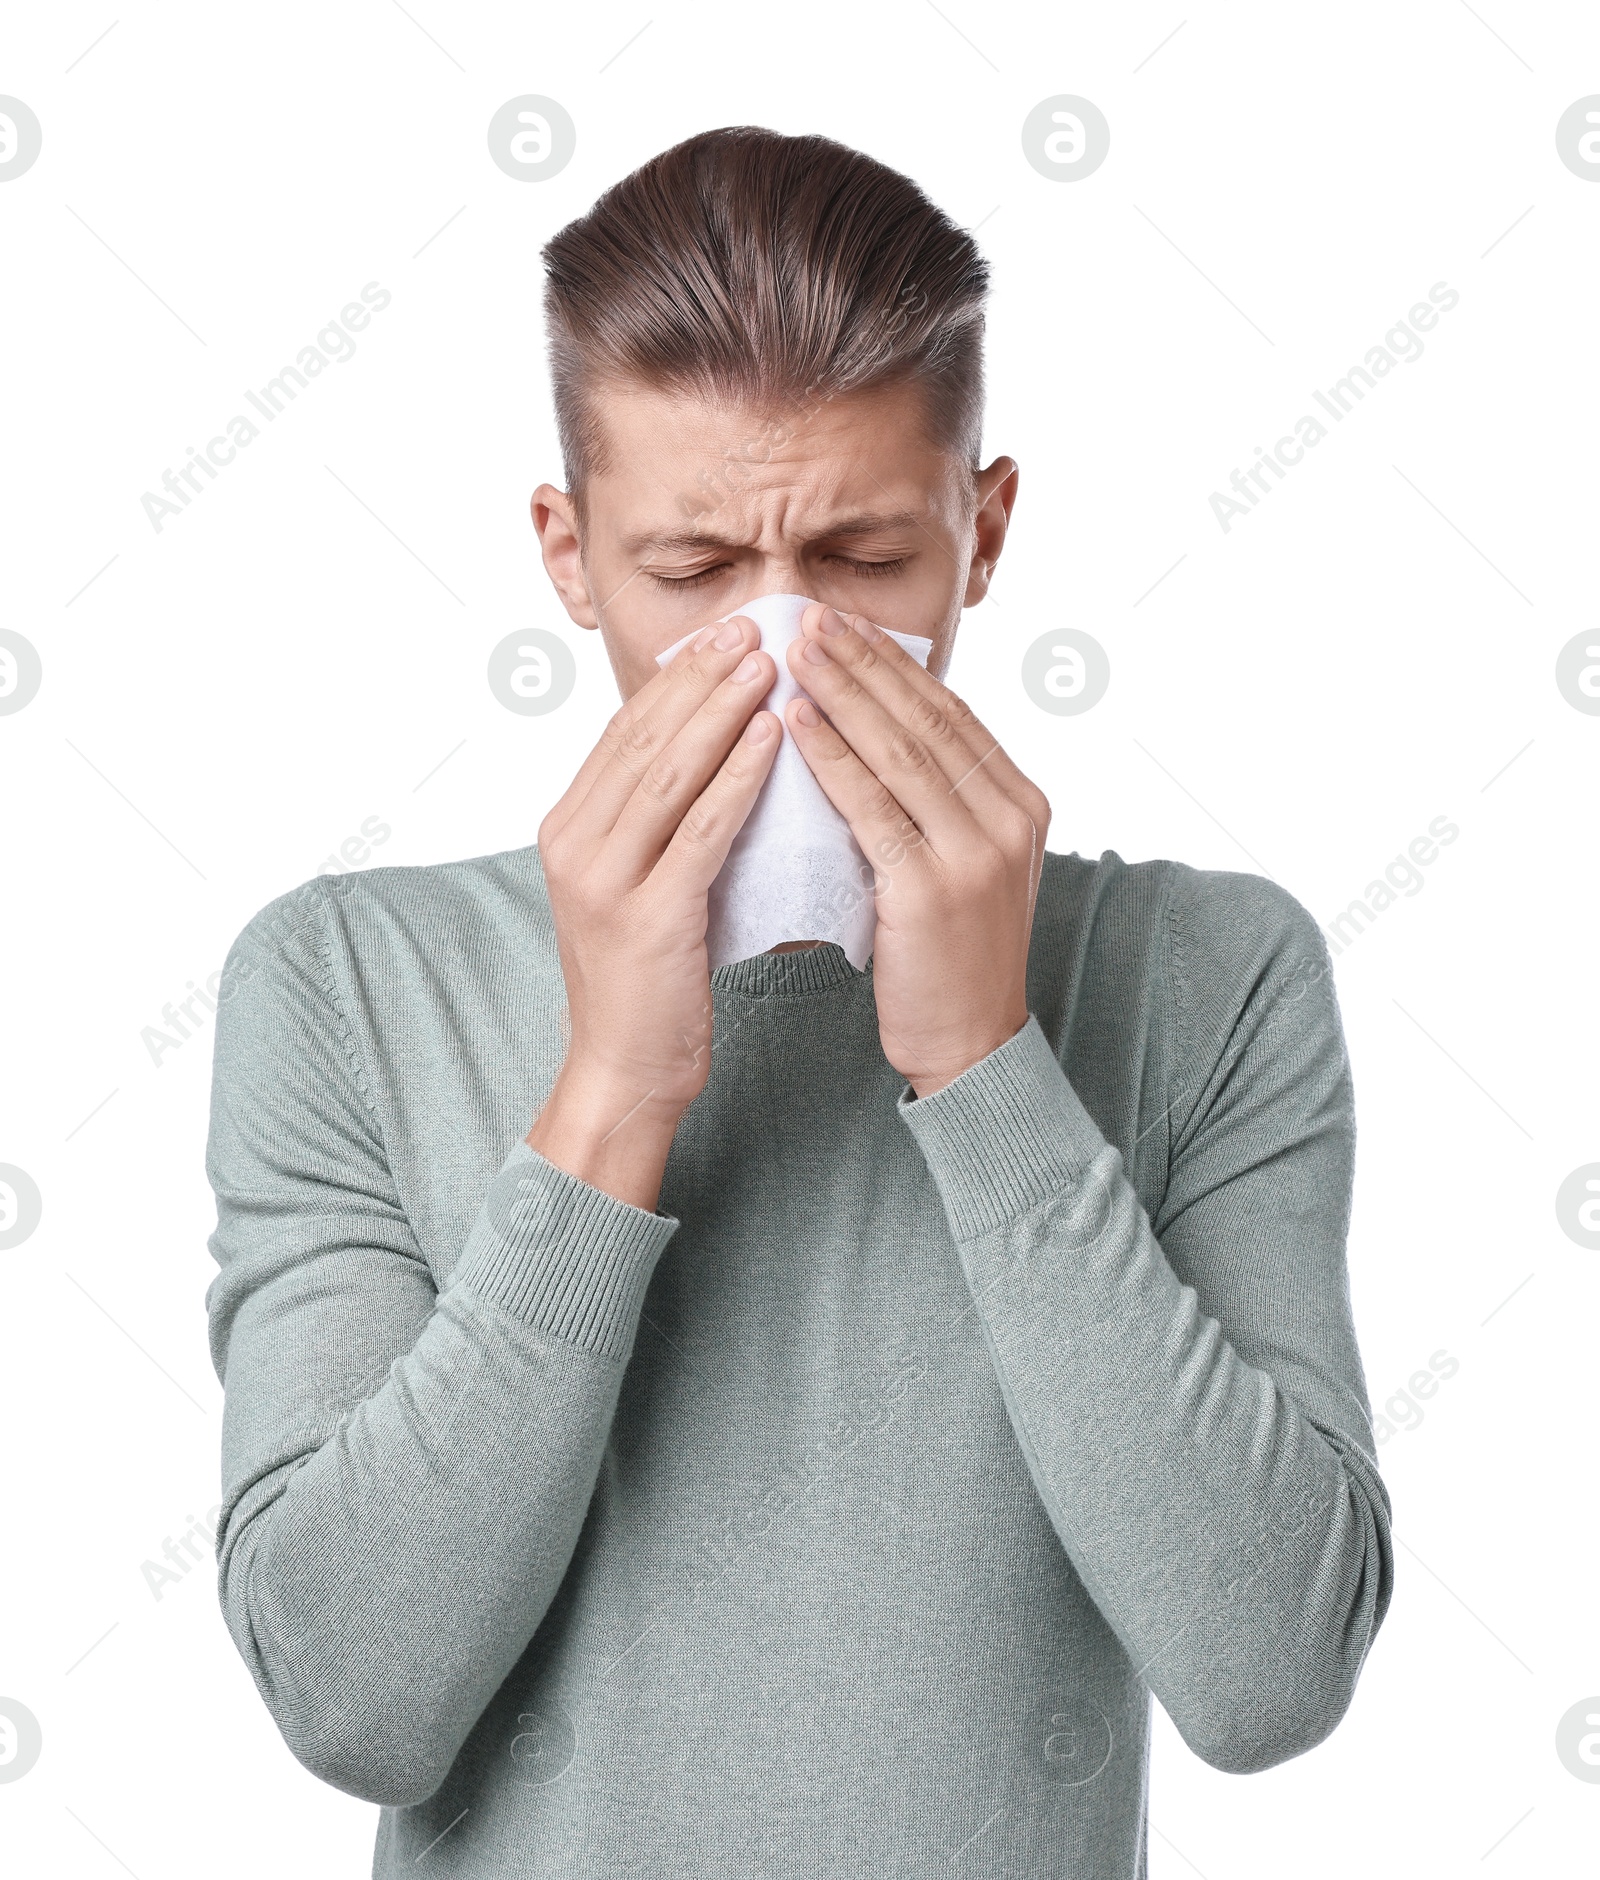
x=607, y=1132
x=926, y=1080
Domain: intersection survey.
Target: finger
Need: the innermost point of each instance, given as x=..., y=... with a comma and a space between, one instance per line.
x=980, y=752
x=889, y=837
x=705, y=832
x=628, y=713
x=646, y=723
x=882, y=826
x=679, y=773
x=901, y=736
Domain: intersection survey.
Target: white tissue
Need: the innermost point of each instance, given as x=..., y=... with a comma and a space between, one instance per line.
x=794, y=872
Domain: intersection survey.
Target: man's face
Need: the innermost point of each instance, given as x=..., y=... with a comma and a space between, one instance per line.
x=702, y=507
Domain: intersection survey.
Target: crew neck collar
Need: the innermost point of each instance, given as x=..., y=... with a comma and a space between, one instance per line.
x=766, y=975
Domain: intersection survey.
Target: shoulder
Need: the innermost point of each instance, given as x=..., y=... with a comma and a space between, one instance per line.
x=448, y=903
x=422, y=913
x=1256, y=1033
x=1177, y=966
x=1228, y=928
x=1249, y=965
x=1224, y=923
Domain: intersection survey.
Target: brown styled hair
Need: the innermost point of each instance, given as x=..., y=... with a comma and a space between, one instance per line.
x=771, y=270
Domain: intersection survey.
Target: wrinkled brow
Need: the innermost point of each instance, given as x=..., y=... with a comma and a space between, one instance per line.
x=693, y=541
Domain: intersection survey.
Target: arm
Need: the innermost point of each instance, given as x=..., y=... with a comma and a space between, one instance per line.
x=1188, y=1396
x=405, y=1470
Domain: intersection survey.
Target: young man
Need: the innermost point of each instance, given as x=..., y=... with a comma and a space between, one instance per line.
x=782, y=1419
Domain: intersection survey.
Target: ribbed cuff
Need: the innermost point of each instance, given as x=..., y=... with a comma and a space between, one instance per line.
x=1004, y=1135
x=563, y=1255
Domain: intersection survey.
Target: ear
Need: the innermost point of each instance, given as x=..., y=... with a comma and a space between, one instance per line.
x=556, y=523
x=996, y=492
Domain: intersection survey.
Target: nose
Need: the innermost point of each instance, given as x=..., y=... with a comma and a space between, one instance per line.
x=780, y=573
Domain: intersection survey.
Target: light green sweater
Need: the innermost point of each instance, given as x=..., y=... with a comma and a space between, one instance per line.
x=839, y=1517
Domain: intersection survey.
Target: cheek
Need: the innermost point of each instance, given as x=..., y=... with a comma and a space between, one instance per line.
x=635, y=634
x=925, y=598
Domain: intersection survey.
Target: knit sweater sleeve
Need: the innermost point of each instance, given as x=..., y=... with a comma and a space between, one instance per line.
x=1187, y=1392
x=405, y=1468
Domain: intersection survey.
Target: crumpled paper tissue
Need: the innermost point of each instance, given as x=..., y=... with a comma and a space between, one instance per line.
x=794, y=872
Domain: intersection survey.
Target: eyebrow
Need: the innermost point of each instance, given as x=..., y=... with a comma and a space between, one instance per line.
x=848, y=528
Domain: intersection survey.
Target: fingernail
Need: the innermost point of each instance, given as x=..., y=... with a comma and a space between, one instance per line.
x=730, y=636
x=807, y=713
x=865, y=628
x=758, y=730
x=815, y=652
x=830, y=622
x=746, y=669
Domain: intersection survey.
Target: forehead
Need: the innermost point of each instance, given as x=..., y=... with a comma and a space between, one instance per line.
x=673, y=463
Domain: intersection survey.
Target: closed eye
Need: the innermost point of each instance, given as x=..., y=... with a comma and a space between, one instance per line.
x=868, y=570
x=680, y=583
x=871, y=569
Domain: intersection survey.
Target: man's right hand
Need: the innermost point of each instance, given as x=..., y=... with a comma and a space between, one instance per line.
x=629, y=854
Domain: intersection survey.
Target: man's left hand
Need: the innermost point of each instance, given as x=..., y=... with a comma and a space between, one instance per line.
x=954, y=833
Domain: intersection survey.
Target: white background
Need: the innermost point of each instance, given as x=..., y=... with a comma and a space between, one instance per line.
x=1373, y=647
